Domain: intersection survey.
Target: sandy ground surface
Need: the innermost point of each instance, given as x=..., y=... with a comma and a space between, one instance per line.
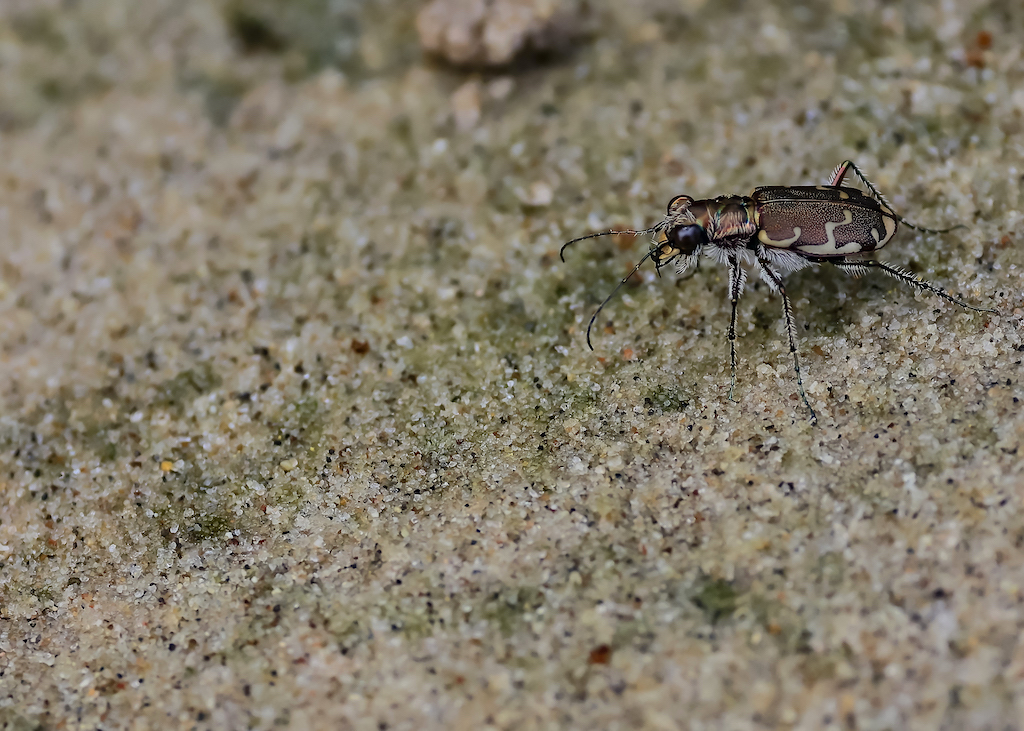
x=299, y=427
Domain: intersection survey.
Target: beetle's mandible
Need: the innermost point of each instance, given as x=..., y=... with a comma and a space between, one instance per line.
x=776, y=230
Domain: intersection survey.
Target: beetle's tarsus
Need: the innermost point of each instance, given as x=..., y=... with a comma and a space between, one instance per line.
x=907, y=277
x=737, y=276
x=775, y=280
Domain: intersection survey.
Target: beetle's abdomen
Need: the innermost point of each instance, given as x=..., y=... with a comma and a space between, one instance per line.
x=821, y=220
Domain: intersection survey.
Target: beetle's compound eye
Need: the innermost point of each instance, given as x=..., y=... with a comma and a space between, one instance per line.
x=679, y=203
x=687, y=239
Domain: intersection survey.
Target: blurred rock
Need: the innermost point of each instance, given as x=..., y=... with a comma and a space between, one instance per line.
x=466, y=105
x=497, y=32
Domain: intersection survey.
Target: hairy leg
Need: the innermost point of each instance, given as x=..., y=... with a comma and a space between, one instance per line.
x=858, y=268
x=737, y=276
x=836, y=179
x=774, y=280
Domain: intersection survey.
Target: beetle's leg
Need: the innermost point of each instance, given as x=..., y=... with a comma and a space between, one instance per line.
x=847, y=165
x=857, y=268
x=774, y=280
x=737, y=276
x=836, y=179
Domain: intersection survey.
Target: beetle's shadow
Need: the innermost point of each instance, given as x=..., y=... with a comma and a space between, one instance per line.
x=824, y=299
x=827, y=311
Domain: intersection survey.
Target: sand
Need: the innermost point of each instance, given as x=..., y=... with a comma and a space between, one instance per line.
x=299, y=428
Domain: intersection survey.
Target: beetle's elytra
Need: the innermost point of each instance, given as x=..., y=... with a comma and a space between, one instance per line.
x=777, y=230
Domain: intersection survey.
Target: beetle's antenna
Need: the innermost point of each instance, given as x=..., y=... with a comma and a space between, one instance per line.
x=651, y=230
x=618, y=286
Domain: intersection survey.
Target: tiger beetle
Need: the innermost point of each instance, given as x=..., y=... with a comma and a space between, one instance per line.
x=779, y=229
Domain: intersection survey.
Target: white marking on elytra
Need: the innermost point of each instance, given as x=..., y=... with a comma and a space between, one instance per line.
x=830, y=227
x=890, y=227
x=766, y=239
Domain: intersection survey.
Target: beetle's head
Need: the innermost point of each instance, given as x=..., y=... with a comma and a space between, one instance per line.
x=684, y=235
